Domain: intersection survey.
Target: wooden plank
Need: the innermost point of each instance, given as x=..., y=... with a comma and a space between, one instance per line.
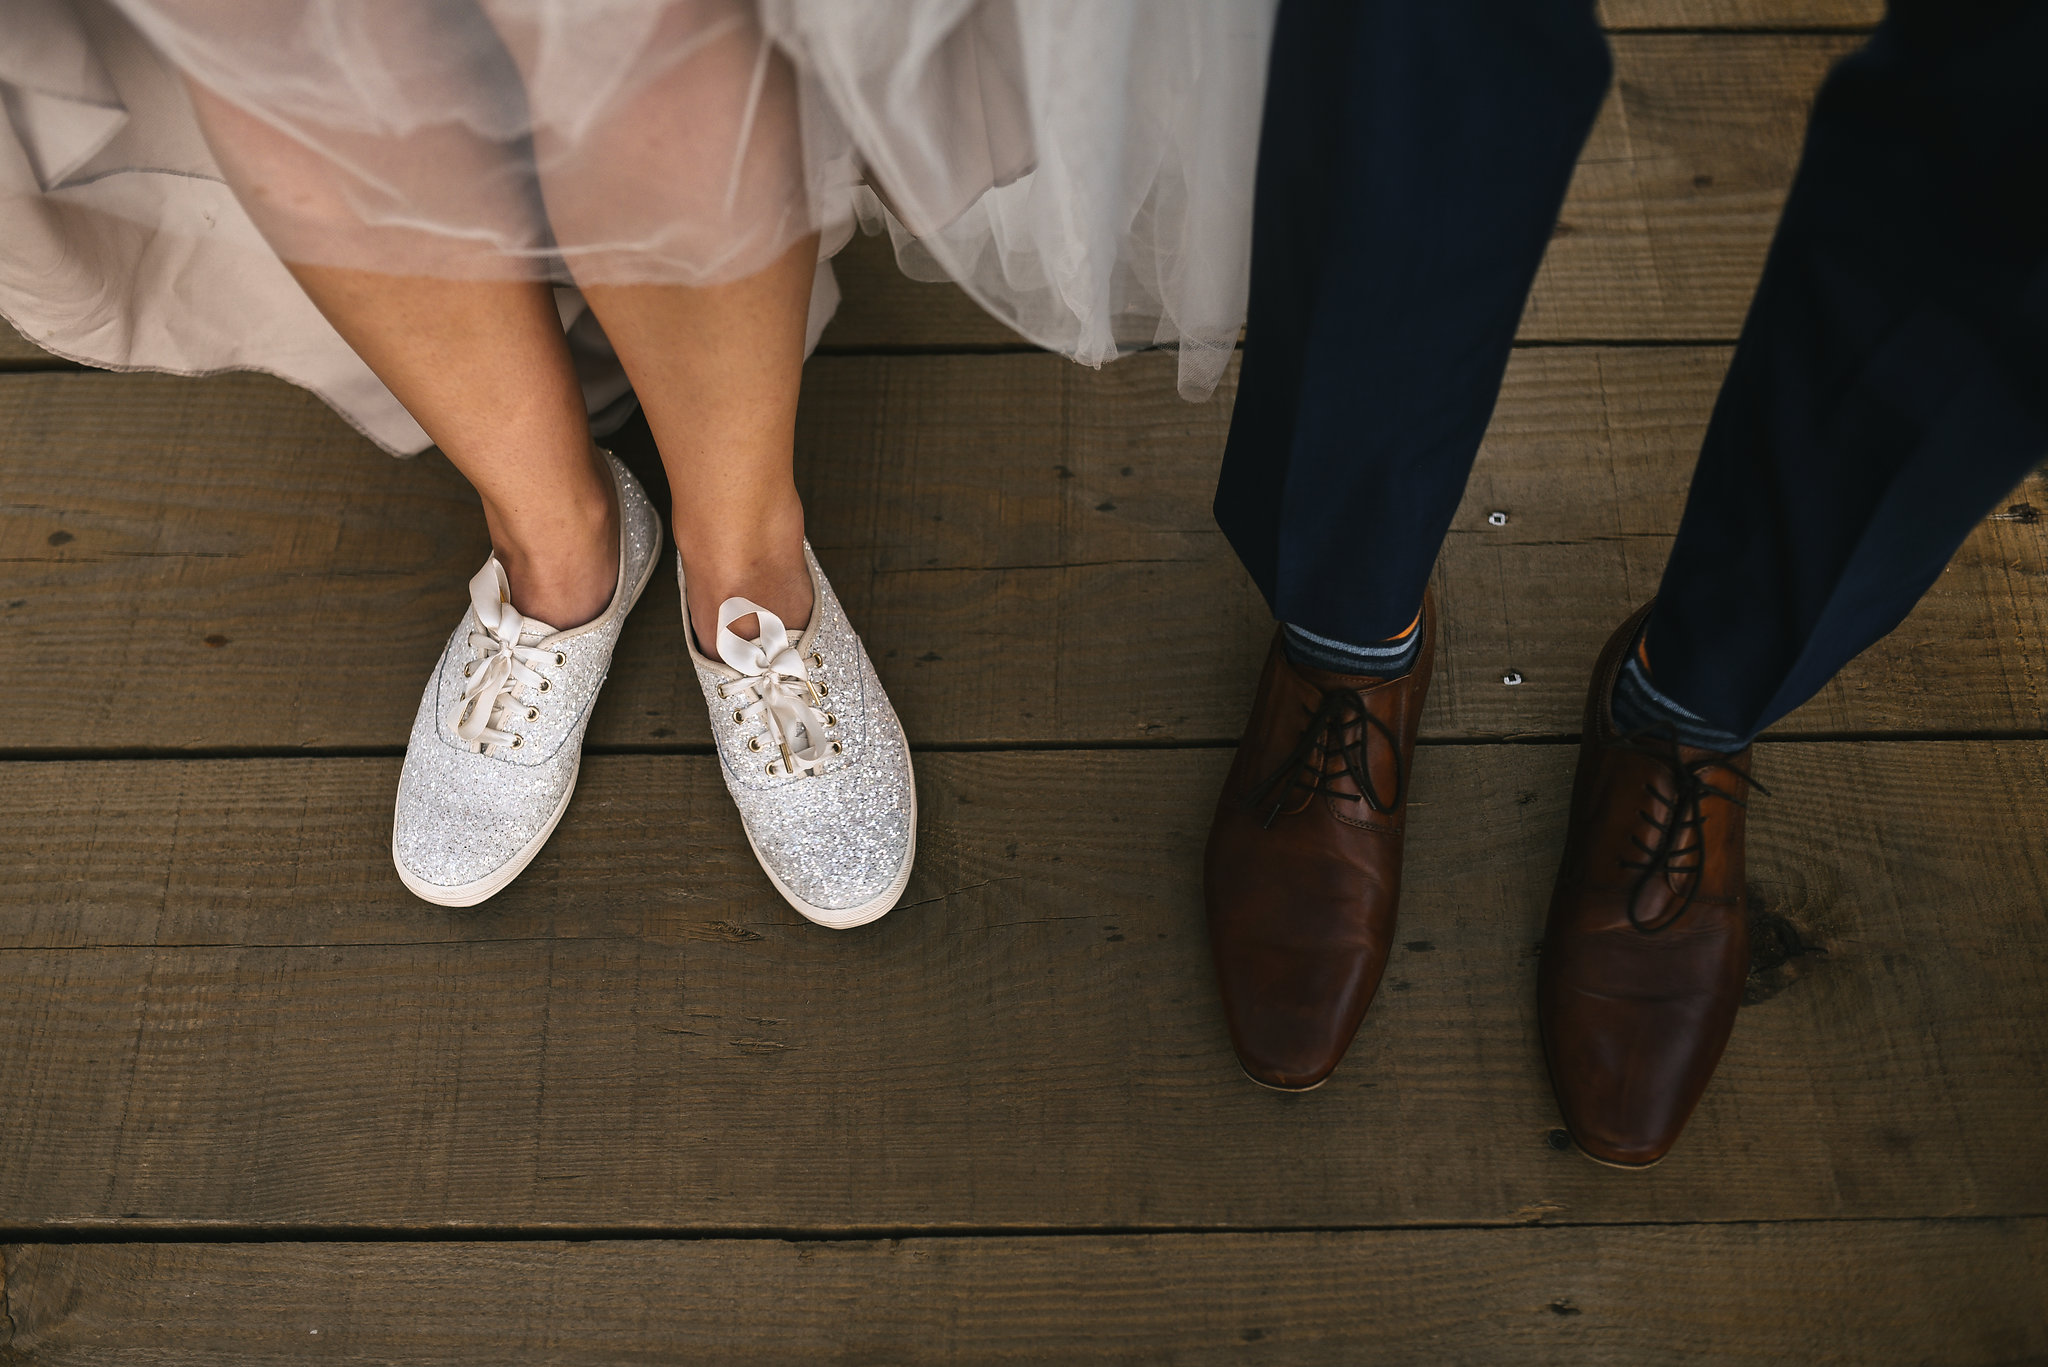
x=1027, y=547
x=16, y=350
x=1677, y=193
x=1740, y=14
x=217, y=1006
x=880, y=308
x=1903, y=1292
x=1662, y=236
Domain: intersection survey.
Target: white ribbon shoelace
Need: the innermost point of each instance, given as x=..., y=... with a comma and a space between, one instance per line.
x=493, y=693
x=774, y=689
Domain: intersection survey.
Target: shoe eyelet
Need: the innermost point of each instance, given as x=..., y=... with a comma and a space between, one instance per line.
x=518, y=741
x=467, y=668
x=831, y=720
x=837, y=747
x=823, y=689
x=754, y=744
x=533, y=714
x=739, y=719
x=546, y=687
x=560, y=659
x=771, y=768
x=817, y=659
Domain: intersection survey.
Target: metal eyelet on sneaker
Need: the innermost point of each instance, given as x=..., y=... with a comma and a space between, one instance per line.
x=467, y=668
x=831, y=720
x=771, y=768
x=560, y=659
x=533, y=714
x=817, y=659
x=517, y=741
x=754, y=743
x=546, y=687
x=837, y=748
x=739, y=719
x=823, y=689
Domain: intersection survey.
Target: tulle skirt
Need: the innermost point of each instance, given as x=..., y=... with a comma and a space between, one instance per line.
x=1083, y=168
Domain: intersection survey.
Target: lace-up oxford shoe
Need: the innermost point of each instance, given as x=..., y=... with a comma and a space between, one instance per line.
x=1647, y=945
x=1302, y=874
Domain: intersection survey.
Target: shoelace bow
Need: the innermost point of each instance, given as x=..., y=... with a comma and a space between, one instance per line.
x=1341, y=725
x=774, y=688
x=1681, y=817
x=494, y=685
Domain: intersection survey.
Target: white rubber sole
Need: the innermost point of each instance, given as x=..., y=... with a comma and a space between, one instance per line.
x=493, y=883
x=876, y=908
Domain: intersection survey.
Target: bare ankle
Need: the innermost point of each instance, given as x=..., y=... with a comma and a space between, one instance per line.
x=778, y=580
x=565, y=571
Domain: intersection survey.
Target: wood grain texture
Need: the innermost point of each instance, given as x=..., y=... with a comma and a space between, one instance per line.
x=217, y=1006
x=1662, y=235
x=16, y=349
x=1026, y=546
x=1879, y=1292
x=880, y=308
x=220, y=1014
x=1740, y=14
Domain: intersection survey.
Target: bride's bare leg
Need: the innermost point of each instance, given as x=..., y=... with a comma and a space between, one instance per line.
x=481, y=364
x=698, y=165
x=717, y=369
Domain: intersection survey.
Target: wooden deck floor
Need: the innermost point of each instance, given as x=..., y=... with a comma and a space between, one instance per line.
x=258, y=1104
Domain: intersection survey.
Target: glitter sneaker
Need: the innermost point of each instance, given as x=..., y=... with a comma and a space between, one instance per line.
x=499, y=737
x=814, y=758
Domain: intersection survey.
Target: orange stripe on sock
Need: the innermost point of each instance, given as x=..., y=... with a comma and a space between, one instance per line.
x=1406, y=631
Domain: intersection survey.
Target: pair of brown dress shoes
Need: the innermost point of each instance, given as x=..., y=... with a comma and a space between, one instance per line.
x=1647, y=946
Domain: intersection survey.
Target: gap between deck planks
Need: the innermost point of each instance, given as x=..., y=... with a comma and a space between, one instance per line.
x=219, y=1009
x=1864, y=1291
x=1026, y=546
x=1663, y=233
x=1954, y=1292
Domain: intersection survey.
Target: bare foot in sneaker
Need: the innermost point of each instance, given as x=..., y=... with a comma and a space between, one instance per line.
x=559, y=543
x=813, y=756
x=498, y=740
x=766, y=567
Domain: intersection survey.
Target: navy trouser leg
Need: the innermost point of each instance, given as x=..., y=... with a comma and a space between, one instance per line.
x=1891, y=383
x=1412, y=163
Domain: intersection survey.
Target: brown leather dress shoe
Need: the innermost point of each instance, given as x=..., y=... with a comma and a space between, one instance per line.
x=1303, y=870
x=1647, y=946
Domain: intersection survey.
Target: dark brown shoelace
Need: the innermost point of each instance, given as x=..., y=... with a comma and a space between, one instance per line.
x=1341, y=725
x=1681, y=817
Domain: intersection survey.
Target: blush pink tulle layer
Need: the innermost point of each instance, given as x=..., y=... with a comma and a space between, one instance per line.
x=1083, y=168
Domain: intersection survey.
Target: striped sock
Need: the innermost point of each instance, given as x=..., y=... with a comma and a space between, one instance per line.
x=1388, y=659
x=1639, y=705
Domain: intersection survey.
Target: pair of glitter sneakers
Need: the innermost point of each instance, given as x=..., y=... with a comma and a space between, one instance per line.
x=813, y=754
